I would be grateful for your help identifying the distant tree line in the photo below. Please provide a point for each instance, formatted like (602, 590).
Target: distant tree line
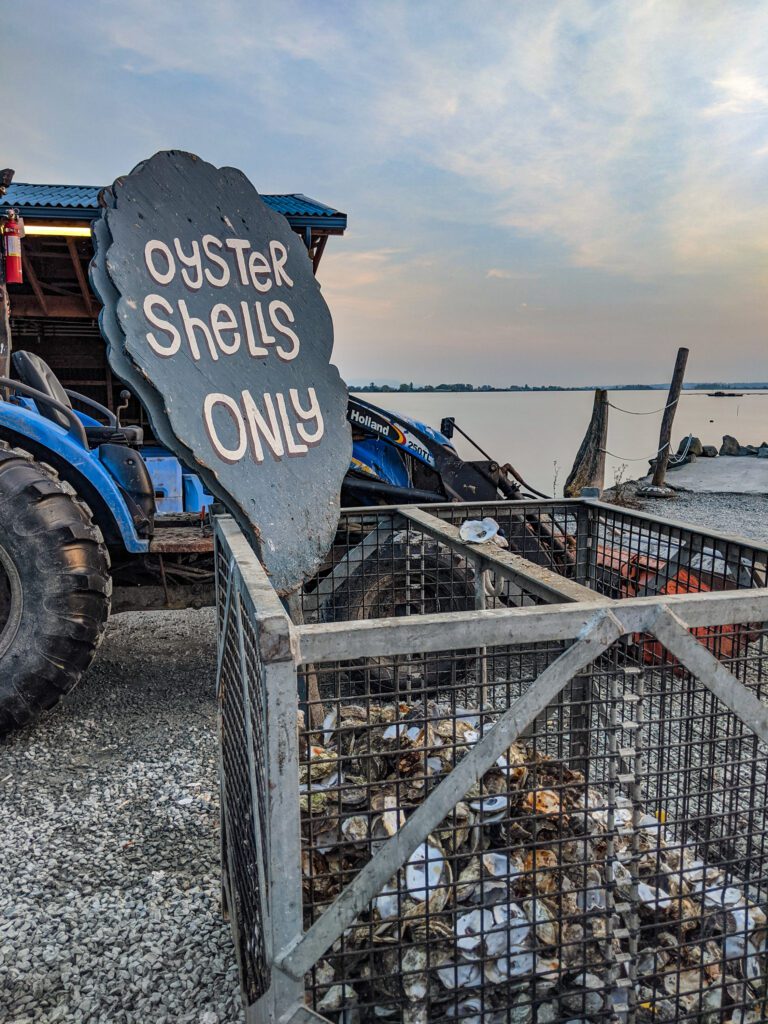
(373, 386)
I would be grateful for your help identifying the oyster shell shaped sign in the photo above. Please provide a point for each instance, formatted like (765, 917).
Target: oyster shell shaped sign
(211, 303)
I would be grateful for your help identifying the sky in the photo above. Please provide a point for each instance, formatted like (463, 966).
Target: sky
(537, 192)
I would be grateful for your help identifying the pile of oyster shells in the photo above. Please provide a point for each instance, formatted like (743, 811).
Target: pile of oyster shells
(521, 907)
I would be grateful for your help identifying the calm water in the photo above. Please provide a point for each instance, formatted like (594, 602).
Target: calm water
(540, 432)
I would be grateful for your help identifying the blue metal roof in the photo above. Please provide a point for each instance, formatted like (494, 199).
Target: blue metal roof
(81, 202)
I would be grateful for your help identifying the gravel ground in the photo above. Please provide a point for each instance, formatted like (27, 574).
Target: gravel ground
(109, 899)
(744, 515)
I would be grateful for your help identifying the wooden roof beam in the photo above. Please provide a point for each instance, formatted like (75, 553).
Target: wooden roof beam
(84, 289)
(32, 278)
(318, 253)
(56, 305)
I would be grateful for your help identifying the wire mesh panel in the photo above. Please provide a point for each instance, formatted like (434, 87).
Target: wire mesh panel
(558, 888)
(546, 532)
(520, 800)
(637, 555)
(243, 774)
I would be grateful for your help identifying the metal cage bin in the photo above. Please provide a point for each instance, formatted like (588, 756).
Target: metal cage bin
(496, 785)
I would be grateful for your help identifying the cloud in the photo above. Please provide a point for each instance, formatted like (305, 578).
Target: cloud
(503, 274)
(743, 94)
(589, 126)
(610, 157)
(594, 126)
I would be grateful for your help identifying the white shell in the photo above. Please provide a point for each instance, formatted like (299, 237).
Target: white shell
(460, 976)
(390, 821)
(478, 531)
(399, 730)
(490, 808)
(497, 865)
(724, 896)
(386, 903)
(520, 965)
(336, 997)
(413, 977)
(424, 871)
(469, 1011)
(510, 932)
(470, 931)
(329, 727)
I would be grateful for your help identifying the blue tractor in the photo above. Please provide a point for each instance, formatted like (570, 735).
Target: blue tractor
(82, 499)
(95, 515)
(85, 502)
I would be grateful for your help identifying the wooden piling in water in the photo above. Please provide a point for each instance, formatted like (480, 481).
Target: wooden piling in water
(589, 465)
(665, 433)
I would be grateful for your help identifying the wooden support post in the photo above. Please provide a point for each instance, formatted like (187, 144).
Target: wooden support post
(318, 254)
(6, 177)
(80, 275)
(31, 276)
(5, 326)
(662, 458)
(589, 466)
(311, 700)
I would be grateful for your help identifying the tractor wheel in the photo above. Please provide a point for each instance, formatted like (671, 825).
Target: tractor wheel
(55, 588)
(408, 575)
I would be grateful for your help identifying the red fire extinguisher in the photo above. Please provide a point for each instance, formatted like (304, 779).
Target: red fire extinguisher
(13, 232)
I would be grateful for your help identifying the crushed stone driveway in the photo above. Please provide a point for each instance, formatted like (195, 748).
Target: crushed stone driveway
(110, 904)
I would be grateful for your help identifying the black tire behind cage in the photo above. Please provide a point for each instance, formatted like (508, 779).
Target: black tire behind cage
(55, 588)
(407, 575)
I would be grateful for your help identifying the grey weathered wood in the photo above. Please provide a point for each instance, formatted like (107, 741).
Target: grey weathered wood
(665, 433)
(273, 624)
(297, 958)
(589, 465)
(572, 505)
(594, 626)
(339, 641)
(274, 633)
(674, 633)
(284, 822)
(536, 579)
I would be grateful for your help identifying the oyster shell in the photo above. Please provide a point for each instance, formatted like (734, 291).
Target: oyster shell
(428, 875)
(522, 889)
(471, 929)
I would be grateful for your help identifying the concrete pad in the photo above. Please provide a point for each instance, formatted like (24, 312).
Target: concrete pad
(727, 474)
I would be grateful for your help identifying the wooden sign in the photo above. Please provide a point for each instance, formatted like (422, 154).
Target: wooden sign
(213, 315)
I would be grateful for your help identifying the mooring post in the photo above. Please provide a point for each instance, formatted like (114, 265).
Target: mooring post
(662, 457)
(589, 466)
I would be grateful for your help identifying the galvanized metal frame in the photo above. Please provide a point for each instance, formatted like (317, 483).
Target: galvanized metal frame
(590, 622)
(279, 776)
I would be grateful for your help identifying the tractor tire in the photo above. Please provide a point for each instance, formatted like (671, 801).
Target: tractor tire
(407, 575)
(55, 588)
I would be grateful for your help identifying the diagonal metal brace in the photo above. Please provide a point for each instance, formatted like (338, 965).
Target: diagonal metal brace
(674, 634)
(297, 958)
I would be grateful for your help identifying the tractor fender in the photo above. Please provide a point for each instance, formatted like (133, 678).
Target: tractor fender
(48, 442)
